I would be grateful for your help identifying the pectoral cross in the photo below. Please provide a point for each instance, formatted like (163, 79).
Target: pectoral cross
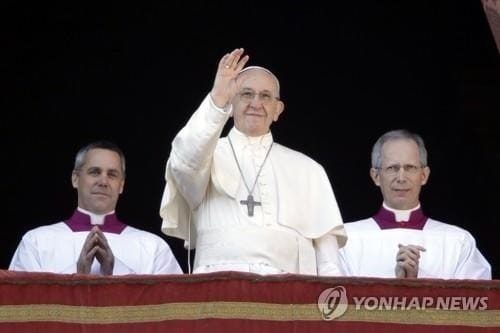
(250, 203)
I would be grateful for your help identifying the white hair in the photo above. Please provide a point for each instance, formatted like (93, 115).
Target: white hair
(265, 70)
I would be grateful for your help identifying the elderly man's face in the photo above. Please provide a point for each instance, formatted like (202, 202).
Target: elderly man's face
(256, 104)
(401, 175)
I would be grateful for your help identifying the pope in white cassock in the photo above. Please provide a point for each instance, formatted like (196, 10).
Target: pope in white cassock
(400, 241)
(245, 202)
(93, 240)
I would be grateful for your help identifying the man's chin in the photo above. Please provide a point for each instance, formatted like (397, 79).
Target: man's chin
(102, 207)
(402, 204)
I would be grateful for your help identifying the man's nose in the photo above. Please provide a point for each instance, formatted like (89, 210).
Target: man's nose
(401, 175)
(103, 180)
(256, 102)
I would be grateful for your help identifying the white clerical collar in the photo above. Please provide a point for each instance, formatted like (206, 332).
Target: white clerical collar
(95, 218)
(240, 138)
(401, 215)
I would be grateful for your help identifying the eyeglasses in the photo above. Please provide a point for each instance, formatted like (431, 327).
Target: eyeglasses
(264, 97)
(394, 169)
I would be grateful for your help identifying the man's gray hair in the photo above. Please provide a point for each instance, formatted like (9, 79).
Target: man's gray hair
(81, 156)
(265, 70)
(397, 135)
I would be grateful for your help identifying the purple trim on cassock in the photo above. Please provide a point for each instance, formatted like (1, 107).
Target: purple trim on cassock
(81, 222)
(387, 220)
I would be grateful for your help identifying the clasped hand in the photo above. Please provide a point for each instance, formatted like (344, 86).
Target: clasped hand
(96, 246)
(407, 260)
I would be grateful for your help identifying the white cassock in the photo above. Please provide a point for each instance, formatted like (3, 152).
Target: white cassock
(56, 248)
(451, 251)
(297, 228)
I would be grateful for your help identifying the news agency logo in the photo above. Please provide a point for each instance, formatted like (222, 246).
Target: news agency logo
(332, 302)
(465, 303)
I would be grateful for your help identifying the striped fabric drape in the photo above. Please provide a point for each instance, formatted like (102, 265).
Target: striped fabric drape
(239, 302)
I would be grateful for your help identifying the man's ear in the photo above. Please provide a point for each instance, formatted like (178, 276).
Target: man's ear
(74, 179)
(279, 109)
(122, 186)
(425, 175)
(375, 175)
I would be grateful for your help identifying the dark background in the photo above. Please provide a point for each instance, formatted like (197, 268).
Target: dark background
(349, 71)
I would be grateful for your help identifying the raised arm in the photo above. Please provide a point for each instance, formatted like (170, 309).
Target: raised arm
(189, 164)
